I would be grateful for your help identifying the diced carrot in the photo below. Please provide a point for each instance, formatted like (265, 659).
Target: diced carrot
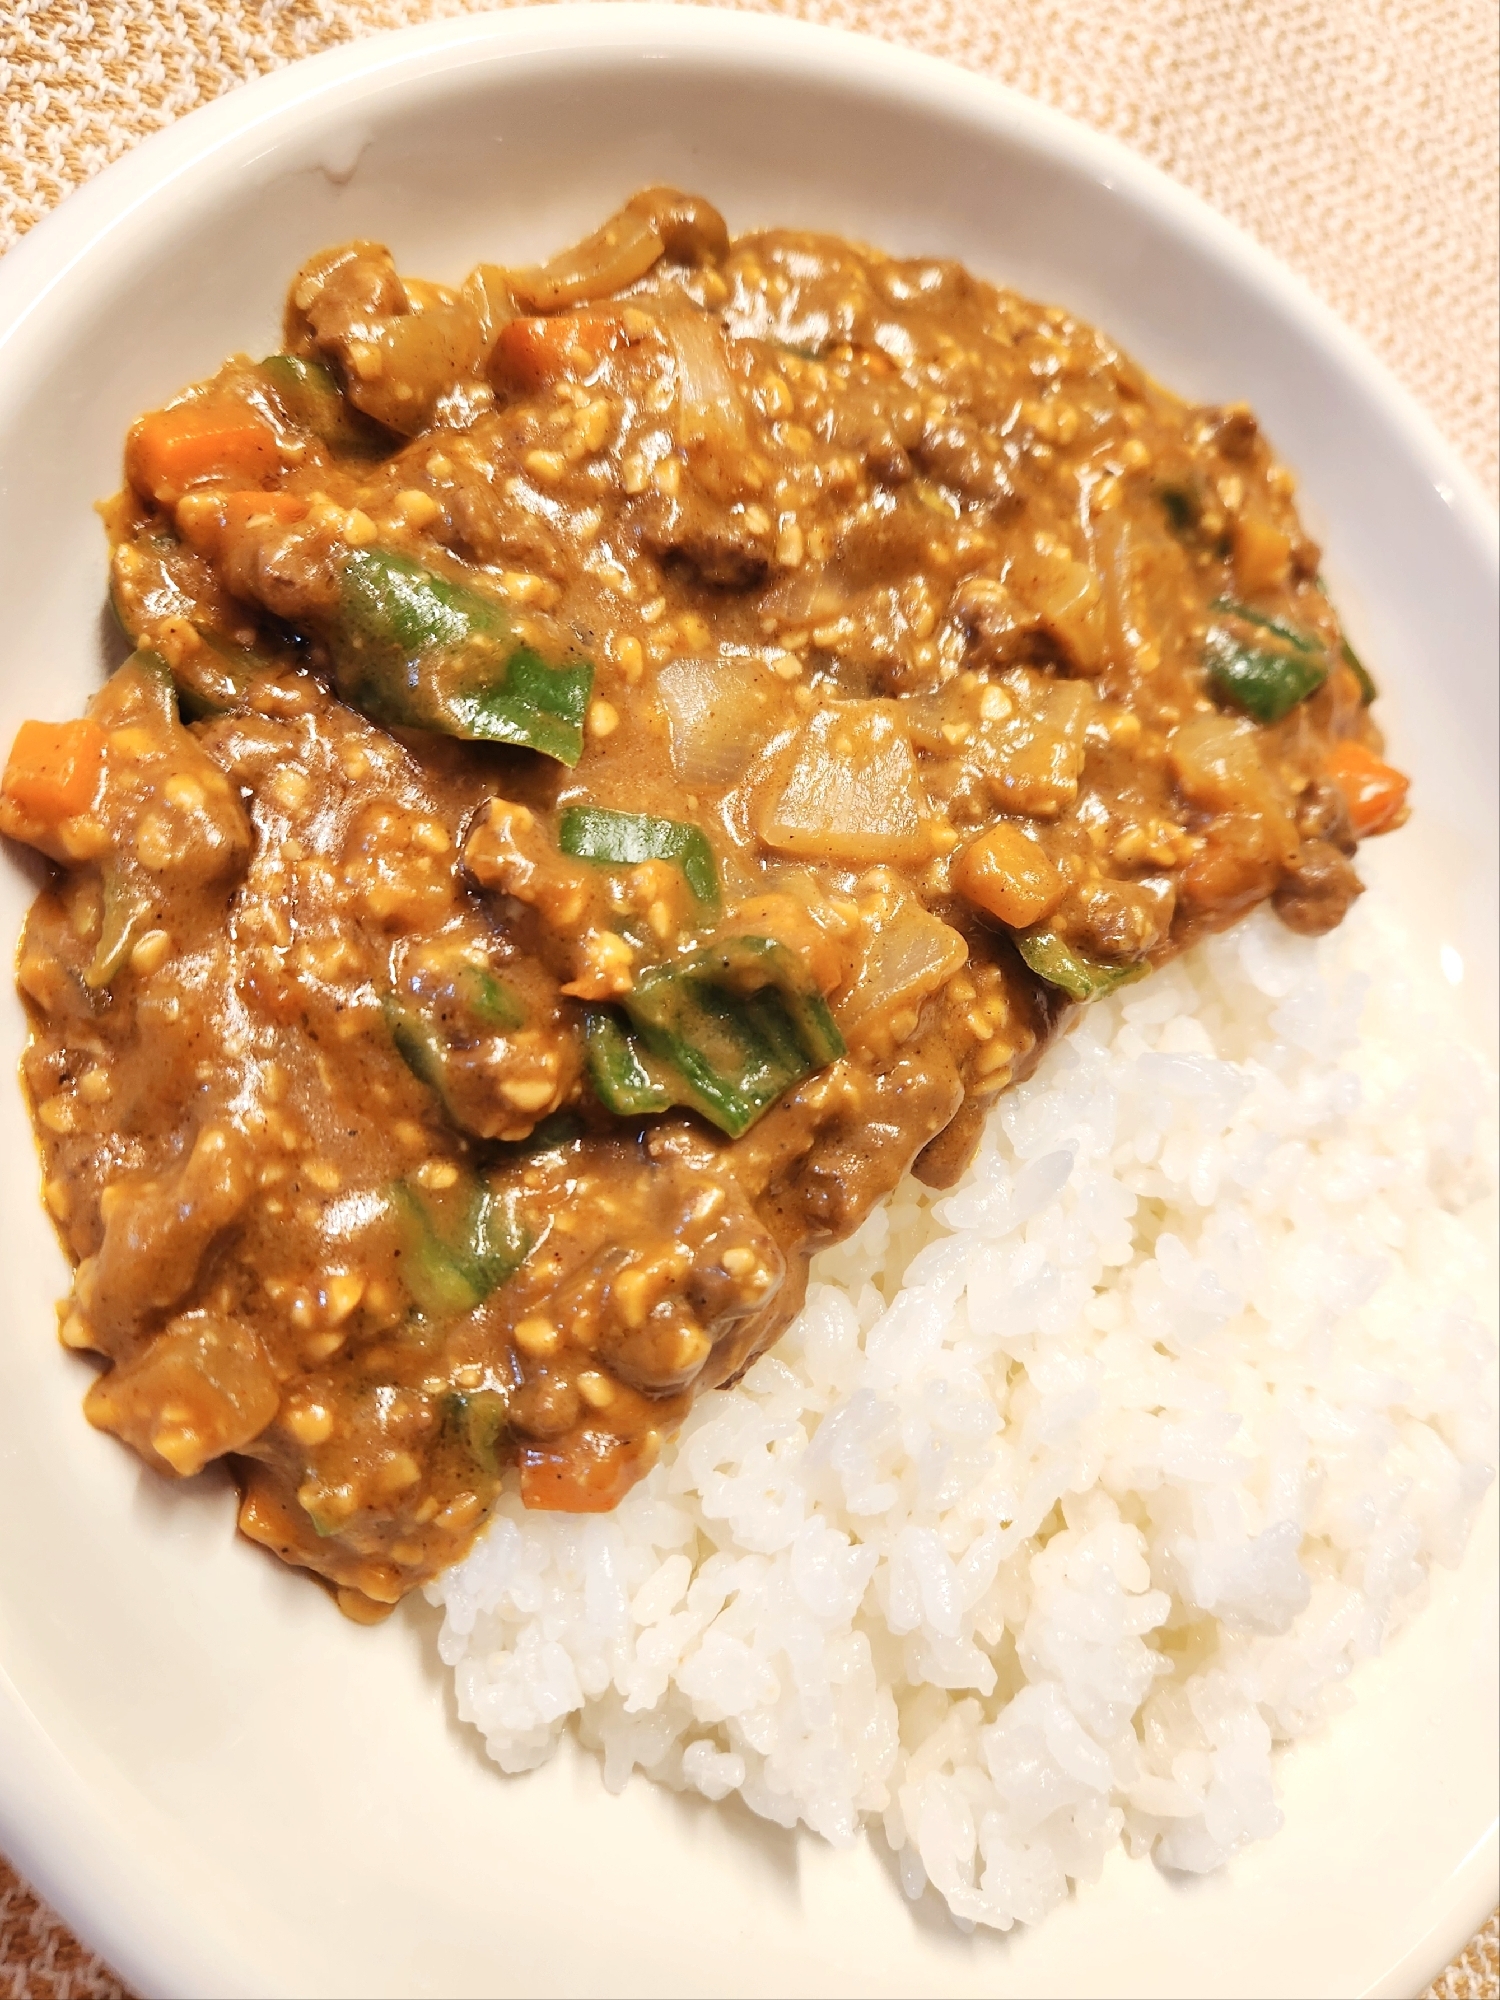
(1009, 876)
(54, 768)
(534, 353)
(1261, 554)
(591, 1475)
(170, 449)
(1374, 790)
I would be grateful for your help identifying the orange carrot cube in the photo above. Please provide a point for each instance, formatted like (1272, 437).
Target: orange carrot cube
(172, 449)
(591, 1474)
(1375, 791)
(54, 768)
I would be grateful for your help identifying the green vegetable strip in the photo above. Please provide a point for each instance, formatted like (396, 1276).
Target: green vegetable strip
(744, 965)
(624, 1078)
(1357, 667)
(734, 1058)
(126, 908)
(412, 649)
(478, 1416)
(129, 897)
(214, 679)
(1078, 975)
(491, 1002)
(560, 1128)
(739, 1023)
(619, 839)
(449, 1274)
(310, 395)
(156, 679)
(1264, 675)
(416, 1044)
(1299, 640)
(492, 1007)
(1266, 683)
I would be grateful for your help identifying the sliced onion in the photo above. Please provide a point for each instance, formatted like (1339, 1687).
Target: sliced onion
(852, 794)
(906, 959)
(1216, 765)
(720, 710)
(613, 257)
(710, 409)
(691, 228)
(423, 356)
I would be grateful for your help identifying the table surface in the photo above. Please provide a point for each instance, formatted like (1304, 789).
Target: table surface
(1358, 141)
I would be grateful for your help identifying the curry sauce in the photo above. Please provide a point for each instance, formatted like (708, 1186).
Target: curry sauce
(619, 761)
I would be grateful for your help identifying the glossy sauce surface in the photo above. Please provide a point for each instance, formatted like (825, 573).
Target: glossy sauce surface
(873, 665)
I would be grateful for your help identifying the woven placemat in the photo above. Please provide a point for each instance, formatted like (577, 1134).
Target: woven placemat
(1357, 139)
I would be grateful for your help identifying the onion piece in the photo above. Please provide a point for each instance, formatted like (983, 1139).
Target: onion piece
(1217, 768)
(720, 711)
(1064, 598)
(423, 356)
(852, 794)
(692, 229)
(710, 409)
(907, 957)
(487, 291)
(658, 222)
(615, 256)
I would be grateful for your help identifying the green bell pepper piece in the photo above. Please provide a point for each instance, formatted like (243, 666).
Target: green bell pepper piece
(413, 649)
(156, 681)
(747, 965)
(493, 1004)
(309, 393)
(1078, 975)
(450, 1270)
(734, 1058)
(1264, 665)
(216, 679)
(622, 840)
(1295, 636)
(129, 897)
(416, 1043)
(126, 909)
(559, 1128)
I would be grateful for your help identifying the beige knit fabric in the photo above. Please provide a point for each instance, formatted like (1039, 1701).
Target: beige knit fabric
(1355, 138)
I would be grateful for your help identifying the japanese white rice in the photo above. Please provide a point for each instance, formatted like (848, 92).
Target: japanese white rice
(1078, 1488)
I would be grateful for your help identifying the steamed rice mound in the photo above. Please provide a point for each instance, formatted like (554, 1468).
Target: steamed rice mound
(1077, 1488)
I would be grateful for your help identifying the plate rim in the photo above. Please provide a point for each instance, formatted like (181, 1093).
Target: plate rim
(71, 1852)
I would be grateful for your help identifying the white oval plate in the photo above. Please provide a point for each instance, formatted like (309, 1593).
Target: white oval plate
(226, 1788)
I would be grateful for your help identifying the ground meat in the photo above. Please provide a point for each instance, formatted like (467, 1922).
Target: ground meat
(1315, 895)
(622, 758)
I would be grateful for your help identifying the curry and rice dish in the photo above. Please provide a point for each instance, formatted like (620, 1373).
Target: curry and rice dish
(620, 760)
